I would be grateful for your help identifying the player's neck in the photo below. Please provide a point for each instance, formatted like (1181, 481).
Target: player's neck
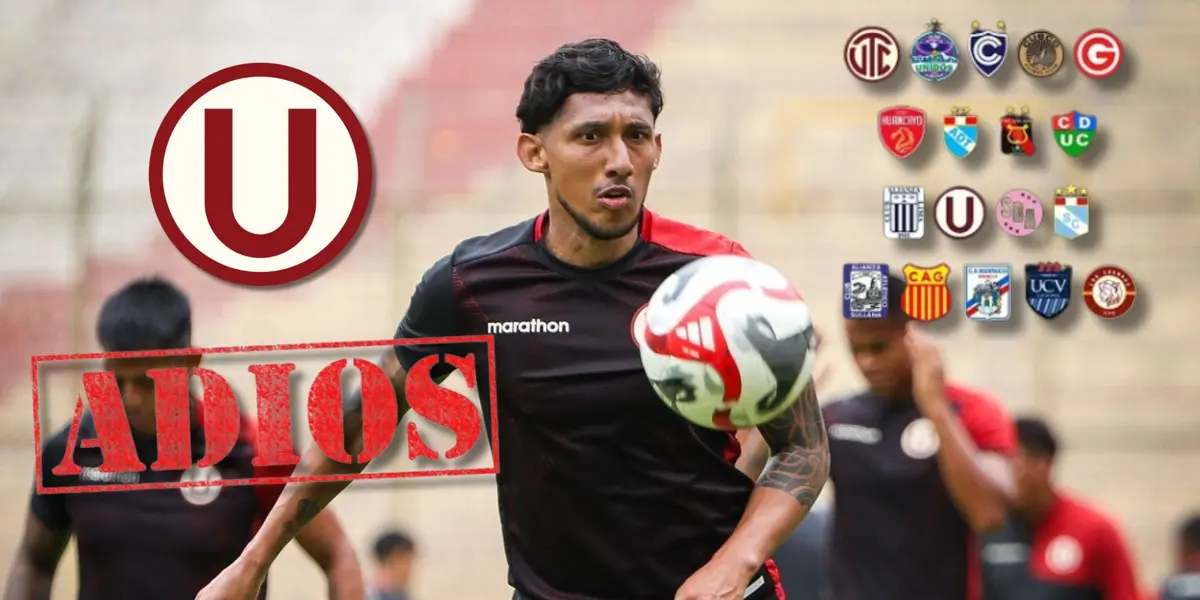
(570, 244)
(1040, 505)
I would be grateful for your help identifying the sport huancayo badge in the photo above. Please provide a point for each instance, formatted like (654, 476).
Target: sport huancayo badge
(1109, 292)
(934, 54)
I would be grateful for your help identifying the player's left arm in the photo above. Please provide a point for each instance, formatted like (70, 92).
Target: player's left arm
(975, 446)
(789, 484)
(324, 540)
(1114, 567)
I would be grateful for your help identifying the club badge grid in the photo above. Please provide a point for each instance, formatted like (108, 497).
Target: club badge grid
(987, 291)
(902, 130)
(961, 211)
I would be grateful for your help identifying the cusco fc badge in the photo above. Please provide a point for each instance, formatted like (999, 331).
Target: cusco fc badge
(934, 54)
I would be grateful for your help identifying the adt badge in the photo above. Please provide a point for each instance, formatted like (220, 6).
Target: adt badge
(865, 294)
(1048, 288)
(934, 54)
(988, 48)
(960, 131)
(1071, 212)
(988, 291)
(1074, 132)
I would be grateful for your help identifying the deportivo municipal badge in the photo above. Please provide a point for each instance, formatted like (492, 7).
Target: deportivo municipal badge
(1041, 53)
(960, 131)
(1019, 212)
(989, 48)
(934, 53)
(926, 293)
(865, 291)
(1109, 292)
(959, 212)
(1016, 132)
(988, 292)
(904, 212)
(1074, 132)
(902, 129)
(1071, 212)
(1048, 288)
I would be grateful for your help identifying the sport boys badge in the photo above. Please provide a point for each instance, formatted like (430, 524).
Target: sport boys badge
(865, 294)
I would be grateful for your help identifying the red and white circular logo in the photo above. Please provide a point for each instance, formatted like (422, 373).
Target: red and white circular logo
(1098, 54)
(261, 174)
(1109, 292)
(872, 54)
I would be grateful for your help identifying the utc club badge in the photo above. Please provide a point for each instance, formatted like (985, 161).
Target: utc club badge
(988, 292)
(1048, 288)
(988, 48)
(934, 54)
(961, 131)
(1071, 212)
(1016, 132)
(200, 496)
(1074, 132)
(1041, 53)
(865, 293)
(1109, 292)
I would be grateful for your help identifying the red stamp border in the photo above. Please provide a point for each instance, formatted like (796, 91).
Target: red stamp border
(37, 360)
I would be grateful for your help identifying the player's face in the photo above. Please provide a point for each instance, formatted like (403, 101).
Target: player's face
(399, 566)
(1031, 473)
(878, 349)
(137, 388)
(598, 156)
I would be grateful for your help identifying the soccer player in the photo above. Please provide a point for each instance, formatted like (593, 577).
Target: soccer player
(395, 553)
(604, 492)
(1185, 583)
(160, 544)
(918, 465)
(1054, 546)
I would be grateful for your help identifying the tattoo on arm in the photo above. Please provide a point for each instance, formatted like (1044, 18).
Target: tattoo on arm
(800, 450)
(32, 573)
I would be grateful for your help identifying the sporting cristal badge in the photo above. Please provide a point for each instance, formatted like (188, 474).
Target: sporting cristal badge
(989, 48)
(1016, 132)
(934, 54)
(961, 131)
(1074, 132)
(1071, 212)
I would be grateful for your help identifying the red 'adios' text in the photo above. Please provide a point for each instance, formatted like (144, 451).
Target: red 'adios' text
(274, 377)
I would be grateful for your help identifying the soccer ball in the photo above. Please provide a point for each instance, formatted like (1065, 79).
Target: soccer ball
(727, 342)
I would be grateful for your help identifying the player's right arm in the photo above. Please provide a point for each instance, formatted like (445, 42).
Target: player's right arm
(47, 531)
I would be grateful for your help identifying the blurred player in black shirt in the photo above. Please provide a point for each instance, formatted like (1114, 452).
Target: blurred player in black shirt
(1054, 546)
(604, 492)
(155, 544)
(1185, 583)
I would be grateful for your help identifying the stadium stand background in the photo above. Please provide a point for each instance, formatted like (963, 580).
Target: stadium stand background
(766, 138)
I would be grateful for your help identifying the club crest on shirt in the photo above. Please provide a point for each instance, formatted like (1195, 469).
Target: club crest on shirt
(920, 439)
(1063, 555)
(637, 326)
(200, 496)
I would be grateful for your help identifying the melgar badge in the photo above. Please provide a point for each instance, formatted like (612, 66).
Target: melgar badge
(1016, 132)
(934, 54)
(1074, 132)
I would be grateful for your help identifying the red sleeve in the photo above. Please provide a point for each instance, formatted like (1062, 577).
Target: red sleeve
(1115, 568)
(987, 422)
(739, 250)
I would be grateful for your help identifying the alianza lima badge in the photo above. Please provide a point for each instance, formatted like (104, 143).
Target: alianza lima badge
(934, 54)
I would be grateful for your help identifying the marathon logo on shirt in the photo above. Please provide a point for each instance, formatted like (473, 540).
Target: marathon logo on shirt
(96, 475)
(530, 326)
(855, 433)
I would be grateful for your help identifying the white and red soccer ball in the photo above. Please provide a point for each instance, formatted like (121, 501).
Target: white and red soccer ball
(727, 342)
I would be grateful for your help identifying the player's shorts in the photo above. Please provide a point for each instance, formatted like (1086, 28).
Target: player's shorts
(764, 585)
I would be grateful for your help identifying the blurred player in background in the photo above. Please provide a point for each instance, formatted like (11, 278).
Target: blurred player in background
(155, 544)
(604, 492)
(1185, 583)
(1054, 546)
(918, 465)
(395, 554)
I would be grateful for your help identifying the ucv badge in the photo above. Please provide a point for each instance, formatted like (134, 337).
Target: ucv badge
(988, 291)
(1071, 212)
(1048, 288)
(988, 48)
(1074, 132)
(1016, 132)
(961, 131)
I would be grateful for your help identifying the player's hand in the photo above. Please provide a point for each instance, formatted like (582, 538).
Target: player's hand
(718, 580)
(929, 383)
(239, 581)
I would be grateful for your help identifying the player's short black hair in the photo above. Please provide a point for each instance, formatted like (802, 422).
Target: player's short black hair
(391, 542)
(1189, 533)
(895, 296)
(591, 66)
(147, 314)
(1036, 438)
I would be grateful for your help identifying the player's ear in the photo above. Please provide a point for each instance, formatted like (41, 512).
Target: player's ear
(532, 153)
(657, 149)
